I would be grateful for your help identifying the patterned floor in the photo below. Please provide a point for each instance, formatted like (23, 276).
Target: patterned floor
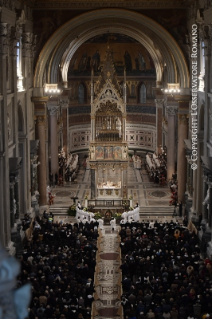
(108, 276)
(152, 198)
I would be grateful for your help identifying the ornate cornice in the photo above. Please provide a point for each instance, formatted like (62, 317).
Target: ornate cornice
(82, 4)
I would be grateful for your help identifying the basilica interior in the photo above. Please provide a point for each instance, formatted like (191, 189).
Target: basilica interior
(105, 109)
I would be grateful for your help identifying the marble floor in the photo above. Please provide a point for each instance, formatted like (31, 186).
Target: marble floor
(152, 198)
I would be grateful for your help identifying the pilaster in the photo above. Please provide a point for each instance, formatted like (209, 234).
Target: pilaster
(53, 109)
(159, 118)
(40, 134)
(64, 103)
(171, 147)
(181, 156)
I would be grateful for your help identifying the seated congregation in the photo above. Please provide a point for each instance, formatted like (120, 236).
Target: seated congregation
(59, 261)
(163, 273)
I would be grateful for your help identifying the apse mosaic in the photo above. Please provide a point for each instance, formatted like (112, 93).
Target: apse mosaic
(126, 52)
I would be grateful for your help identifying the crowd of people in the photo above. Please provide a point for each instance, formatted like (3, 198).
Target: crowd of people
(59, 261)
(163, 273)
(156, 166)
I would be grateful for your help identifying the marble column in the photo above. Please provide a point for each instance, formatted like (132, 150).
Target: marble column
(93, 132)
(124, 181)
(93, 183)
(181, 156)
(159, 116)
(53, 110)
(64, 103)
(171, 111)
(124, 128)
(40, 135)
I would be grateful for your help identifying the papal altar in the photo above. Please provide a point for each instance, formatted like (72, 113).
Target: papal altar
(109, 189)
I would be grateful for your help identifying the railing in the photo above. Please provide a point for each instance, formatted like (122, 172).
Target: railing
(108, 203)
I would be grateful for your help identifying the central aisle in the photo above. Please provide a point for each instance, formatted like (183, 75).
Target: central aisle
(108, 276)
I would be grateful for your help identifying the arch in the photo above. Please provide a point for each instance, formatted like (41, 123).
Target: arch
(153, 36)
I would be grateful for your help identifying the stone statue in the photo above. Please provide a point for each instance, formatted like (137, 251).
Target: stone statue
(13, 303)
(206, 200)
(124, 152)
(92, 152)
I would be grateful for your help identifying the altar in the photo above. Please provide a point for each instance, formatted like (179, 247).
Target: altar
(109, 189)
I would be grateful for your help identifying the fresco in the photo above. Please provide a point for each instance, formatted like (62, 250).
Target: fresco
(117, 153)
(111, 38)
(133, 56)
(99, 152)
(108, 150)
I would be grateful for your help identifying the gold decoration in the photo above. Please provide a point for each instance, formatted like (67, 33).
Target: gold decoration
(40, 119)
(108, 108)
